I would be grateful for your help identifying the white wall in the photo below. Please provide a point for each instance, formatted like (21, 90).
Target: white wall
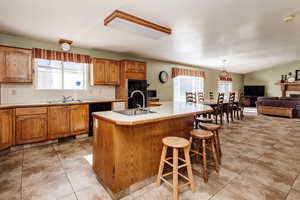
(165, 91)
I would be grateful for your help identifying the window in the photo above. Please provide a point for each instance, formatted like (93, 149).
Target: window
(183, 84)
(59, 75)
(225, 87)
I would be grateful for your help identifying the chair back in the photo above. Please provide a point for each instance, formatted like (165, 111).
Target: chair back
(231, 97)
(211, 95)
(231, 100)
(220, 102)
(190, 97)
(200, 97)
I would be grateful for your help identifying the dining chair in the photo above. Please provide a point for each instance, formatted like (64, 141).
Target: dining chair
(190, 97)
(211, 96)
(230, 106)
(200, 97)
(238, 108)
(218, 110)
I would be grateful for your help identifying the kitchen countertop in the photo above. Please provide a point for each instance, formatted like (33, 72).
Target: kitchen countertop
(167, 110)
(83, 101)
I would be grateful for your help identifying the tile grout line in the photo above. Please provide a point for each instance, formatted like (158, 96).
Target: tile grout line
(248, 139)
(21, 186)
(292, 186)
(64, 171)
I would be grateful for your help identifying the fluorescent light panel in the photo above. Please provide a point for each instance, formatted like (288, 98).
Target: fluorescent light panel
(132, 24)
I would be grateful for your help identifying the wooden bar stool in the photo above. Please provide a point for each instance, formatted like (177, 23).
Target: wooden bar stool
(214, 128)
(176, 143)
(204, 137)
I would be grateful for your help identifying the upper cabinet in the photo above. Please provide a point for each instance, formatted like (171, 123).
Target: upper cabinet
(134, 69)
(105, 72)
(15, 65)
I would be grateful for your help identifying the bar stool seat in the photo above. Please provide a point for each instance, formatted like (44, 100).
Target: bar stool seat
(201, 134)
(210, 127)
(176, 143)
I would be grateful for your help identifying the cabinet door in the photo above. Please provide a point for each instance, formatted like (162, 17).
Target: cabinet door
(58, 121)
(130, 66)
(113, 73)
(140, 67)
(17, 66)
(79, 118)
(98, 72)
(31, 128)
(6, 128)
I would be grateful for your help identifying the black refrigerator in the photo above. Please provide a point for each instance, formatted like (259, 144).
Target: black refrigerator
(137, 98)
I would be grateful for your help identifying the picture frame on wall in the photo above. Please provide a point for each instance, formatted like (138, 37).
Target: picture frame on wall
(297, 77)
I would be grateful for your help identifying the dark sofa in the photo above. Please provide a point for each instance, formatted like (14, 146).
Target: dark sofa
(281, 106)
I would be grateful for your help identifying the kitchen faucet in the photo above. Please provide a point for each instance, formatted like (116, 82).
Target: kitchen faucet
(139, 91)
(66, 98)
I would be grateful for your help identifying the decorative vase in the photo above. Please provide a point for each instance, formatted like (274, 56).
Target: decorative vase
(282, 79)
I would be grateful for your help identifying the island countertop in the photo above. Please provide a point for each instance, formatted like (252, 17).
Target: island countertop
(167, 110)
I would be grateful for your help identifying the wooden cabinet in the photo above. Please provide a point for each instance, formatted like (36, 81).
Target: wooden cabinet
(130, 69)
(105, 72)
(58, 121)
(113, 72)
(31, 128)
(64, 121)
(15, 65)
(79, 119)
(134, 69)
(6, 128)
(134, 66)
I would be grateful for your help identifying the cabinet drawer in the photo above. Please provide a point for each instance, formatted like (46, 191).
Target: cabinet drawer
(31, 111)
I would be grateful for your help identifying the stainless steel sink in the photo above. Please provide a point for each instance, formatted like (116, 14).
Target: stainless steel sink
(60, 101)
(131, 112)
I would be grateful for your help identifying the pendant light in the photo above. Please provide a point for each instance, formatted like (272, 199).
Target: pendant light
(224, 75)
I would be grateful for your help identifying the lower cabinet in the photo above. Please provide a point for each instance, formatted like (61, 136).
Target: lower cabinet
(58, 121)
(64, 121)
(6, 128)
(79, 119)
(31, 128)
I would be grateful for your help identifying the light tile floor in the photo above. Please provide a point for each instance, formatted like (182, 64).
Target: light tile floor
(261, 160)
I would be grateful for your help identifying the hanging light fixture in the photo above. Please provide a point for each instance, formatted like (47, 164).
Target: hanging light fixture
(224, 75)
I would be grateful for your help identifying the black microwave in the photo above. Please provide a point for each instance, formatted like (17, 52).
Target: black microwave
(151, 93)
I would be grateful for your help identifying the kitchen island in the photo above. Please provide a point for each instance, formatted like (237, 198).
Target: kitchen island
(127, 149)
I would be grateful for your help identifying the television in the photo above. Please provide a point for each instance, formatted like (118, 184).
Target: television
(254, 90)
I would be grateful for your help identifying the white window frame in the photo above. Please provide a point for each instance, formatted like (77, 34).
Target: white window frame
(85, 78)
(176, 87)
(226, 93)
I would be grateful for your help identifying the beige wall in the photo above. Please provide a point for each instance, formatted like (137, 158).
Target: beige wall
(165, 91)
(268, 77)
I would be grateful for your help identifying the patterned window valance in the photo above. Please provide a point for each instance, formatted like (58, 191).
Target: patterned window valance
(187, 72)
(59, 55)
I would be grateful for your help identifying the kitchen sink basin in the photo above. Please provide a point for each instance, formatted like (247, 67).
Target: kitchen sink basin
(131, 112)
(60, 101)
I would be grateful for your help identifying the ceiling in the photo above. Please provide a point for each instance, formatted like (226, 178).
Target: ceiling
(249, 34)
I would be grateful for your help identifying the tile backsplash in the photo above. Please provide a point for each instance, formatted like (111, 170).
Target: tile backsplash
(14, 93)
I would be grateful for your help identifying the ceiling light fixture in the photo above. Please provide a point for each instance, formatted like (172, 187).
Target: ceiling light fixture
(65, 45)
(130, 23)
(224, 75)
(290, 17)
